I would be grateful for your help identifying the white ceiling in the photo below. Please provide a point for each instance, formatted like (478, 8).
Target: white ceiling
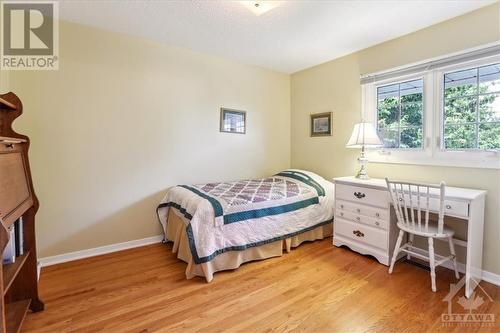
(293, 36)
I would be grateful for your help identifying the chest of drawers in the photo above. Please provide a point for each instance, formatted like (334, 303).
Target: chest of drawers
(363, 219)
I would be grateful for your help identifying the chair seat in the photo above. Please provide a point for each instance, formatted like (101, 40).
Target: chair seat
(432, 231)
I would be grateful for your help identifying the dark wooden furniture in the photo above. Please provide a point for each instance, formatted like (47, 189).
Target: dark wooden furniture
(18, 281)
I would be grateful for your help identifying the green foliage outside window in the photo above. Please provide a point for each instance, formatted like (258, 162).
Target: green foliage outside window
(471, 111)
(460, 113)
(400, 115)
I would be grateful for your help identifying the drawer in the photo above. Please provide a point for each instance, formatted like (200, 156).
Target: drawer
(362, 195)
(361, 233)
(374, 212)
(451, 208)
(455, 208)
(357, 218)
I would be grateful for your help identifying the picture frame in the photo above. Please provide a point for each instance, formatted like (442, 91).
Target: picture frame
(233, 121)
(321, 124)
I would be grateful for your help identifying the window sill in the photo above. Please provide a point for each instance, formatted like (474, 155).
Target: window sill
(461, 159)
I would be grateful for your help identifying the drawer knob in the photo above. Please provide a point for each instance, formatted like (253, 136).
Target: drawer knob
(377, 223)
(9, 145)
(448, 206)
(341, 206)
(400, 199)
(358, 218)
(377, 215)
(358, 233)
(359, 195)
(341, 214)
(358, 210)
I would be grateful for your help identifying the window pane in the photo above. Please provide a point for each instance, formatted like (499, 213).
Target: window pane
(489, 107)
(400, 105)
(390, 137)
(411, 91)
(489, 78)
(411, 103)
(489, 136)
(388, 115)
(472, 109)
(411, 137)
(460, 136)
(385, 92)
(460, 83)
(411, 114)
(388, 105)
(460, 110)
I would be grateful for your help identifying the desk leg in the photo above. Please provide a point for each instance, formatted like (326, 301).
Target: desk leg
(474, 261)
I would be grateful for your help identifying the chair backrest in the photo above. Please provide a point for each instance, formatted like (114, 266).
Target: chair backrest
(412, 203)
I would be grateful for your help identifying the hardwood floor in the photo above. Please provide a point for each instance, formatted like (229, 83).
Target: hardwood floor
(315, 288)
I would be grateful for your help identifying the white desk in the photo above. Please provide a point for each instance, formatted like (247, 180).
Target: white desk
(365, 222)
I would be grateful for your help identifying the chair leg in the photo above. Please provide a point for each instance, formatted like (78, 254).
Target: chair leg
(452, 251)
(396, 250)
(411, 236)
(432, 264)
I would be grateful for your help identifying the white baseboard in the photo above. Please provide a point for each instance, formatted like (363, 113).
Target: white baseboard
(58, 259)
(487, 276)
(491, 278)
(448, 264)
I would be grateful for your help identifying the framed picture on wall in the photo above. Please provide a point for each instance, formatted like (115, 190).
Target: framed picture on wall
(321, 124)
(232, 121)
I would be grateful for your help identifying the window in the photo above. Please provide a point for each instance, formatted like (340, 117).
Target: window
(400, 114)
(472, 108)
(442, 111)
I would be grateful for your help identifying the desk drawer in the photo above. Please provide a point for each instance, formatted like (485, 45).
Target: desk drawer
(357, 218)
(361, 233)
(455, 208)
(373, 212)
(451, 208)
(362, 195)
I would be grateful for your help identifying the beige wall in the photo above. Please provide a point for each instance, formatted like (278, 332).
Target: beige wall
(4, 82)
(334, 86)
(125, 118)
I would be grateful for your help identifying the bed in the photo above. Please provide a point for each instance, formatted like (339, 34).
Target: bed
(219, 226)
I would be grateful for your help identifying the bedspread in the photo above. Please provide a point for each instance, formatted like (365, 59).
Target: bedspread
(232, 216)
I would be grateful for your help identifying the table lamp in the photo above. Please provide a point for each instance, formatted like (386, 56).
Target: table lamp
(363, 135)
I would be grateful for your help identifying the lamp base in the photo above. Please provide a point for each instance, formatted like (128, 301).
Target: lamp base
(361, 176)
(363, 161)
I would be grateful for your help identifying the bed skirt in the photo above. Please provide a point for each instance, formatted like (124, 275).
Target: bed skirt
(176, 232)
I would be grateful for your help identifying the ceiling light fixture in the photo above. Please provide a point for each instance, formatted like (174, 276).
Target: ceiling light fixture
(260, 7)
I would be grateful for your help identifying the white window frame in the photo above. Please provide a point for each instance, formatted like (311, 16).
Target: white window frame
(471, 155)
(370, 114)
(433, 152)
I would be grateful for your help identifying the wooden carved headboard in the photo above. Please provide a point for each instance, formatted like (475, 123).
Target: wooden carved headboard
(18, 280)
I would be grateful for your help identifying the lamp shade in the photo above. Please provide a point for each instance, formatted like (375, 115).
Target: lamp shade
(364, 134)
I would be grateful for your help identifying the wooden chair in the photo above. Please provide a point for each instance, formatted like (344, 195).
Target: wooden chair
(412, 203)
